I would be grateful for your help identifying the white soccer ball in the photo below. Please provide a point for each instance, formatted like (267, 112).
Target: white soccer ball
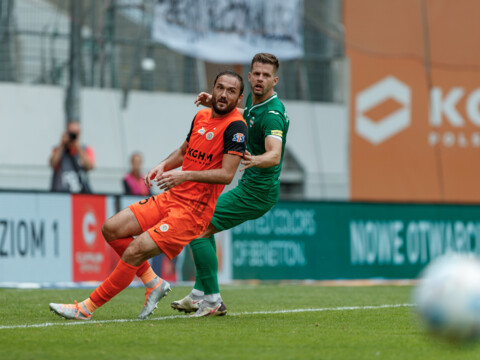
(448, 297)
(148, 64)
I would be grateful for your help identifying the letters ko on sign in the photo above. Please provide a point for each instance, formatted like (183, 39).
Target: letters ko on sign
(444, 104)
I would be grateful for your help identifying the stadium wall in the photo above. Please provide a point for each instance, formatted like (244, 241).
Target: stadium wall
(32, 120)
(55, 239)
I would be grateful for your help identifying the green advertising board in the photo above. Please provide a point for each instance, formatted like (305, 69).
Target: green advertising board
(327, 240)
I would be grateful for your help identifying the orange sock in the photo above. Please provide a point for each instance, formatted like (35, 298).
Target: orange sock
(148, 275)
(120, 245)
(90, 305)
(118, 280)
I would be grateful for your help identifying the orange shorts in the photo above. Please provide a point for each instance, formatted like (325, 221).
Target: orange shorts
(169, 222)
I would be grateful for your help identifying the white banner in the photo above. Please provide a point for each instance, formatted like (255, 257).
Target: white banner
(230, 31)
(35, 238)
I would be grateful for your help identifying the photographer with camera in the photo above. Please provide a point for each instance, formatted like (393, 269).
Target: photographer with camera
(71, 161)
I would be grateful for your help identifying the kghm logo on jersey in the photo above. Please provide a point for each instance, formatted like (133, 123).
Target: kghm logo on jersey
(200, 155)
(239, 138)
(201, 131)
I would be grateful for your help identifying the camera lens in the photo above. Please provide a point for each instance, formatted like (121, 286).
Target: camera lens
(72, 136)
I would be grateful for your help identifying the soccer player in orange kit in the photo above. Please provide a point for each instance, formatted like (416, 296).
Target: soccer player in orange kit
(166, 223)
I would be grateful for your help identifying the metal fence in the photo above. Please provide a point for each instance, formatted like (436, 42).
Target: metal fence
(116, 49)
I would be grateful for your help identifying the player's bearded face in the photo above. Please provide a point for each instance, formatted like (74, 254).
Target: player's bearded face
(262, 79)
(226, 94)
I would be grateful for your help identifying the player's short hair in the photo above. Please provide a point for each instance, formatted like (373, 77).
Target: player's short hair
(266, 58)
(230, 73)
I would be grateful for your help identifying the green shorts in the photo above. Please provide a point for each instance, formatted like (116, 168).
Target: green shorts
(241, 204)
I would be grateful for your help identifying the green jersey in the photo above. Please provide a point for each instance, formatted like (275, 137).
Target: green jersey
(267, 118)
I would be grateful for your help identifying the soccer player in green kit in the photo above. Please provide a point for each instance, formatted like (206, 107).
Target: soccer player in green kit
(258, 189)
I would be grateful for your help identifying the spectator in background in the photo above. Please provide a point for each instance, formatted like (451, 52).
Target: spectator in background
(71, 161)
(134, 182)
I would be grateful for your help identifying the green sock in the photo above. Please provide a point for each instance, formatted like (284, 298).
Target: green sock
(205, 256)
(194, 245)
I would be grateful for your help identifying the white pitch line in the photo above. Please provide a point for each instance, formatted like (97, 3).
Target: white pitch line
(291, 311)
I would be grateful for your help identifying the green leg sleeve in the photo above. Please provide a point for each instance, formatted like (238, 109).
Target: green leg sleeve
(206, 263)
(195, 245)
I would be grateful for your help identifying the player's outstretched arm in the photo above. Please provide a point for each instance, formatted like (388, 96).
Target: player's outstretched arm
(204, 99)
(224, 175)
(271, 157)
(173, 161)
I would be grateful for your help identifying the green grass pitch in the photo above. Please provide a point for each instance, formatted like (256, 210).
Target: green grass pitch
(264, 322)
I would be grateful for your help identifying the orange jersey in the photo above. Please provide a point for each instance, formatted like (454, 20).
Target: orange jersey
(208, 140)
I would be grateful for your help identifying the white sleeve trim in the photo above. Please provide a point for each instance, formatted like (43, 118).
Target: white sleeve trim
(275, 137)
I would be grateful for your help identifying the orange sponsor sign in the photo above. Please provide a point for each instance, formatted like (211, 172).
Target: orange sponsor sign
(415, 100)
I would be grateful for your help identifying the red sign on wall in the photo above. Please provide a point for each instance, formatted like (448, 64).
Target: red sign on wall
(91, 254)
